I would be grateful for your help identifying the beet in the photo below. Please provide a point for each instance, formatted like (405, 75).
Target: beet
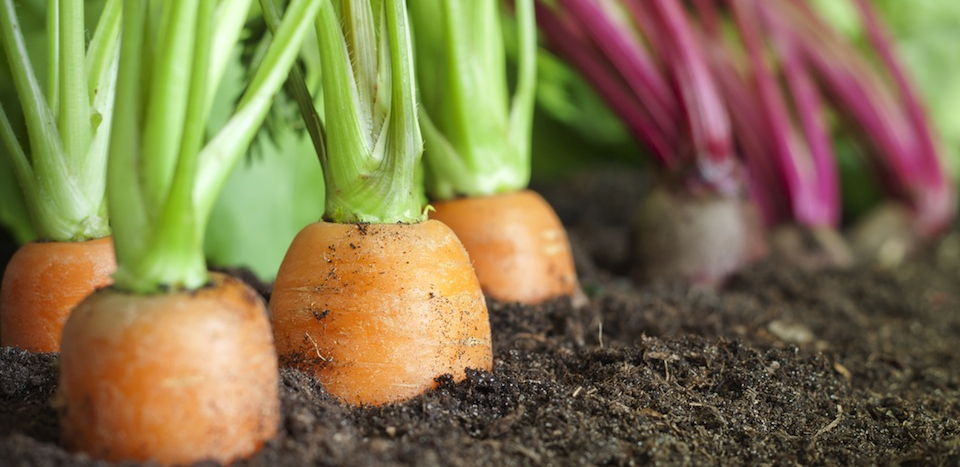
(701, 237)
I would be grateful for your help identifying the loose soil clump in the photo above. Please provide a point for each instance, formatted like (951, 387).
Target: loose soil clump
(781, 367)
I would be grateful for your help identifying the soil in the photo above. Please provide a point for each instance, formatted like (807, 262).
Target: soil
(781, 367)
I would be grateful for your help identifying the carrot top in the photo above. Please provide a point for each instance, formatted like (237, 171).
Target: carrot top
(62, 170)
(373, 142)
(477, 138)
(163, 177)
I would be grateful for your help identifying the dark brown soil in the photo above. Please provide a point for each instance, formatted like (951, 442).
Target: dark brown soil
(782, 367)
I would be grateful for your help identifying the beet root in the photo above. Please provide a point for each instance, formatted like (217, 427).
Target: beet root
(886, 235)
(811, 248)
(700, 238)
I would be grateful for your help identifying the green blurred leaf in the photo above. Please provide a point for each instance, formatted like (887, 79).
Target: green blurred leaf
(263, 205)
(275, 191)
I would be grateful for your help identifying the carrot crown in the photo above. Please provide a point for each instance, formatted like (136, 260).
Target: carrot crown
(162, 179)
(62, 171)
(477, 139)
(373, 143)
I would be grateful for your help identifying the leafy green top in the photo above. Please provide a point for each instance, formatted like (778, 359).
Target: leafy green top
(477, 139)
(162, 179)
(63, 174)
(373, 141)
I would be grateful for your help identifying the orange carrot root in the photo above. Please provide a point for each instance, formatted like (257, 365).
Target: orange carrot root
(174, 378)
(517, 244)
(42, 284)
(379, 311)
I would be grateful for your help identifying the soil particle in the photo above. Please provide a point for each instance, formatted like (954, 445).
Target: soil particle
(782, 367)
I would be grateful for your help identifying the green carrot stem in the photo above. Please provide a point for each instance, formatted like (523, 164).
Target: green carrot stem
(161, 196)
(229, 18)
(477, 137)
(373, 138)
(298, 86)
(74, 116)
(124, 198)
(53, 54)
(167, 107)
(65, 202)
(226, 147)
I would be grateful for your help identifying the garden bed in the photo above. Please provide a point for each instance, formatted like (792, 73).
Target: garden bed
(781, 367)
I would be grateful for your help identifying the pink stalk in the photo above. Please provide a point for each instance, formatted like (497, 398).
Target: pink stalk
(904, 152)
(753, 134)
(630, 58)
(696, 225)
(803, 155)
(704, 112)
(569, 40)
(935, 206)
(674, 105)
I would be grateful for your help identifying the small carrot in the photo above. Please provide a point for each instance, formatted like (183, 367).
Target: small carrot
(172, 364)
(519, 248)
(477, 157)
(398, 305)
(207, 385)
(378, 302)
(43, 282)
(61, 172)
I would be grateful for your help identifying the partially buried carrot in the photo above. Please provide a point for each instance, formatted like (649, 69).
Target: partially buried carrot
(519, 248)
(477, 156)
(379, 311)
(172, 364)
(61, 172)
(43, 282)
(376, 300)
(168, 376)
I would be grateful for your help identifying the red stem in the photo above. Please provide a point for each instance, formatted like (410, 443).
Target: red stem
(704, 112)
(896, 129)
(630, 58)
(805, 157)
(568, 41)
(936, 205)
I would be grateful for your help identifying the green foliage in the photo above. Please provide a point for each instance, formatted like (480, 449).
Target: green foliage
(165, 173)
(373, 141)
(276, 190)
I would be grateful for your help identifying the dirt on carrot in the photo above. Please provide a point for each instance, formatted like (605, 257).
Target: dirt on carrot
(378, 312)
(41, 285)
(781, 367)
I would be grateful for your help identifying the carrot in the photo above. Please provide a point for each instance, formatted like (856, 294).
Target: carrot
(186, 376)
(61, 173)
(173, 364)
(519, 248)
(376, 300)
(41, 285)
(397, 306)
(477, 157)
